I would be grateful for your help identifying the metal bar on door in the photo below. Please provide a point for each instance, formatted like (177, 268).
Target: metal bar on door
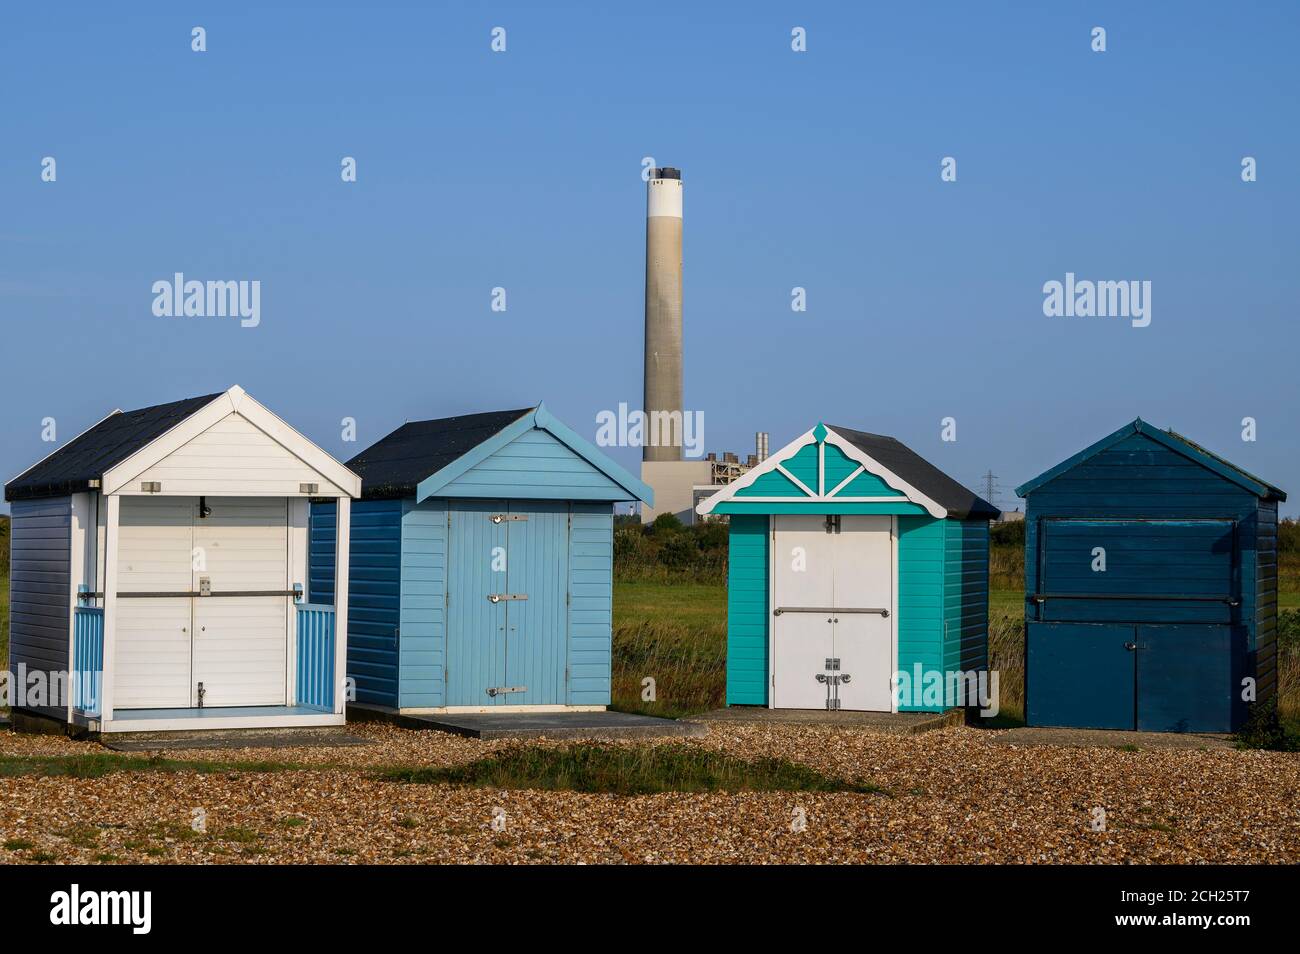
(879, 611)
(1041, 597)
(161, 594)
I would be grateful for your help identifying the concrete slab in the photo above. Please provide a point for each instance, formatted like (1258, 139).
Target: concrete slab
(549, 725)
(230, 739)
(1108, 738)
(891, 723)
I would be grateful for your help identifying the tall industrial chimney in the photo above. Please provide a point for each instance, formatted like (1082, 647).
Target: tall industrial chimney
(663, 313)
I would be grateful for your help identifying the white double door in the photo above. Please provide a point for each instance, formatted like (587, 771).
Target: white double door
(168, 645)
(833, 599)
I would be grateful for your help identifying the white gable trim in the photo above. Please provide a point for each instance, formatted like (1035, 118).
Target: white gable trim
(867, 464)
(236, 400)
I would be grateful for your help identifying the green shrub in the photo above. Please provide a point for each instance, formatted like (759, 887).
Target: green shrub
(666, 523)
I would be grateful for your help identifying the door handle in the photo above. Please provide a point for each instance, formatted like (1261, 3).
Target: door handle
(1130, 646)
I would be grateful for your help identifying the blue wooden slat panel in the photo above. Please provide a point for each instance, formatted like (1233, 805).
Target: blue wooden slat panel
(1143, 557)
(322, 543)
(374, 591)
(748, 614)
(315, 671)
(590, 612)
(1080, 675)
(476, 637)
(423, 624)
(88, 658)
(1188, 678)
(536, 466)
(1263, 648)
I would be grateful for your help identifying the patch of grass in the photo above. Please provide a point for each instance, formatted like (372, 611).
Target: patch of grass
(106, 858)
(1127, 748)
(292, 821)
(242, 836)
(18, 844)
(42, 856)
(174, 831)
(98, 765)
(1267, 729)
(82, 836)
(408, 822)
(627, 770)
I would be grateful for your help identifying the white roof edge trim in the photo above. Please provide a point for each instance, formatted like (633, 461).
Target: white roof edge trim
(852, 451)
(875, 468)
(770, 464)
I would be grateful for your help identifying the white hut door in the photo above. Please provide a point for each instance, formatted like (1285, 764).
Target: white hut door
(864, 586)
(241, 642)
(803, 582)
(155, 536)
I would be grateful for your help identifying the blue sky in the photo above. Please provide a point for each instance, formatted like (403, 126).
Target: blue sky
(522, 170)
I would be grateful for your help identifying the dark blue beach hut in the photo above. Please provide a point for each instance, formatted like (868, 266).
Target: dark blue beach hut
(1150, 587)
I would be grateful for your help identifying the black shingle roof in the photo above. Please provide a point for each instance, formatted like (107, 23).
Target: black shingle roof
(396, 464)
(86, 457)
(920, 473)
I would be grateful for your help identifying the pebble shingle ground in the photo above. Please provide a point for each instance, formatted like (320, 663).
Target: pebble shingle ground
(954, 796)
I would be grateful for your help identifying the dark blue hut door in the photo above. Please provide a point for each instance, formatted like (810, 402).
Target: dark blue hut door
(1148, 642)
(507, 620)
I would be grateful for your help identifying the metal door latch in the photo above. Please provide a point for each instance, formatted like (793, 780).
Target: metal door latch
(495, 691)
(832, 679)
(205, 586)
(1130, 646)
(503, 517)
(506, 597)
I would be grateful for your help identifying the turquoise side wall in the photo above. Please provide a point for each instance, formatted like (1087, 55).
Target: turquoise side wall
(922, 569)
(748, 613)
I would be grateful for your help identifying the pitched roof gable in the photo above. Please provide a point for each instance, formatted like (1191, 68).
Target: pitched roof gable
(1175, 442)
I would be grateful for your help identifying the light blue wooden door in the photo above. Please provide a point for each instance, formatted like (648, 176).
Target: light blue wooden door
(476, 626)
(537, 551)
